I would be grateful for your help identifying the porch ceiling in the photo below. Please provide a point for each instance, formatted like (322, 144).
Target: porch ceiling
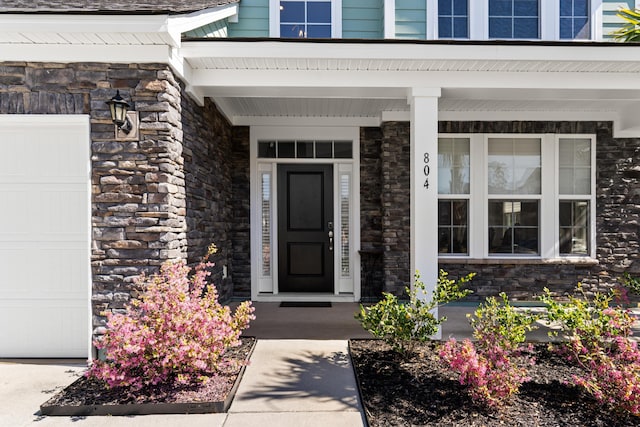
(279, 82)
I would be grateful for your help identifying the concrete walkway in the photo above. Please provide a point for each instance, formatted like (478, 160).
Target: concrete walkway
(288, 383)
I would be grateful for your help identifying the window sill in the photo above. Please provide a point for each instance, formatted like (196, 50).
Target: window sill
(580, 261)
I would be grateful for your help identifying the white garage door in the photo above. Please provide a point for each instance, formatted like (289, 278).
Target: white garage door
(44, 236)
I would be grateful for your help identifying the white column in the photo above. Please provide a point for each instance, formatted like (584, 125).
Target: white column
(424, 185)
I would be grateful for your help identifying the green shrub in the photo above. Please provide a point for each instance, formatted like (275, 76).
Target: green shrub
(402, 324)
(496, 365)
(597, 338)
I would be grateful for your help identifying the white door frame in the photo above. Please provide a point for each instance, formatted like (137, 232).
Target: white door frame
(264, 287)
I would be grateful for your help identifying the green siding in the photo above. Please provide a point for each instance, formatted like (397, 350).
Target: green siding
(411, 17)
(362, 19)
(611, 22)
(253, 19)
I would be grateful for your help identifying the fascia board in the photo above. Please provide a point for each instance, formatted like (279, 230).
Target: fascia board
(92, 24)
(401, 51)
(59, 23)
(256, 78)
(84, 53)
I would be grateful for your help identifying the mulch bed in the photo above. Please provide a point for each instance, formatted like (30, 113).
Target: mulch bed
(421, 391)
(87, 392)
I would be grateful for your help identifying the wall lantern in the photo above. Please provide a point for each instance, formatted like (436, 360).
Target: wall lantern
(118, 108)
(126, 121)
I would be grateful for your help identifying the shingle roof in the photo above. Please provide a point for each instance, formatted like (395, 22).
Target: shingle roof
(106, 6)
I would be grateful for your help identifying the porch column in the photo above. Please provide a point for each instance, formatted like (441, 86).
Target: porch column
(424, 185)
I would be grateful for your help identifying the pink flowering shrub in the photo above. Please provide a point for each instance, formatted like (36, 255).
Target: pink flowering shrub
(496, 365)
(175, 333)
(597, 338)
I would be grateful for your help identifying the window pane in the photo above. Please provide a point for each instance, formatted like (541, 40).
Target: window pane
(445, 28)
(453, 166)
(342, 150)
(514, 227)
(267, 149)
(266, 224)
(574, 227)
(345, 187)
(319, 31)
(525, 8)
(445, 7)
(460, 7)
(305, 150)
(514, 166)
(581, 29)
(500, 28)
(452, 226)
(525, 28)
(294, 31)
(581, 7)
(324, 150)
(292, 11)
(566, 7)
(500, 7)
(460, 28)
(444, 212)
(286, 150)
(574, 159)
(319, 12)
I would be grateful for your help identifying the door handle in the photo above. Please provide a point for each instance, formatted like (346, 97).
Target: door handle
(330, 240)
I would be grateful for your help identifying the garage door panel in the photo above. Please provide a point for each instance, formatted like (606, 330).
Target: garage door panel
(63, 335)
(49, 270)
(44, 237)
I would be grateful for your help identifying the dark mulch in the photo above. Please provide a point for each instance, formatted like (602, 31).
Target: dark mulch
(421, 391)
(86, 391)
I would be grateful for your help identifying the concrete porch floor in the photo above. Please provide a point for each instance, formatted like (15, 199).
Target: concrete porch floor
(334, 323)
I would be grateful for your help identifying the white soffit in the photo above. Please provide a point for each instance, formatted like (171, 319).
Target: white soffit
(252, 81)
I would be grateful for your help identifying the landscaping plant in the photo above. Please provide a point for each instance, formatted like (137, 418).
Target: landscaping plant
(176, 332)
(402, 324)
(494, 367)
(597, 337)
(630, 31)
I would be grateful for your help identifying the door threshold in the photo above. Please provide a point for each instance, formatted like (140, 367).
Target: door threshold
(302, 297)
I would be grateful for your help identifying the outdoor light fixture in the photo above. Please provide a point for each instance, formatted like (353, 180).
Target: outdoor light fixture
(118, 108)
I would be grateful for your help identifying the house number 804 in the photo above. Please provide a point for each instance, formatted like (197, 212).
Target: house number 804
(426, 170)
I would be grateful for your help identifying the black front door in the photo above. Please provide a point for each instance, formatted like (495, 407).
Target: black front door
(305, 228)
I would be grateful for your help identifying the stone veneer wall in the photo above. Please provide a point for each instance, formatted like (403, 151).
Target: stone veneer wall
(396, 195)
(208, 171)
(617, 214)
(163, 197)
(241, 224)
(371, 252)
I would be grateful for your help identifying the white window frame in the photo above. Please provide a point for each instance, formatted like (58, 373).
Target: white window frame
(336, 18)
(549, 228)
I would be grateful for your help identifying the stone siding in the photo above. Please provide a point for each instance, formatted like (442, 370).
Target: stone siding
(395, 198)
(166, 196)
(371, 252)
(241, 224)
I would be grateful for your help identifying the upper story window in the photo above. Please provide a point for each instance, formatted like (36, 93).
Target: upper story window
(574, 20)
(514, 19)
(305, 19)
(453, 19)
